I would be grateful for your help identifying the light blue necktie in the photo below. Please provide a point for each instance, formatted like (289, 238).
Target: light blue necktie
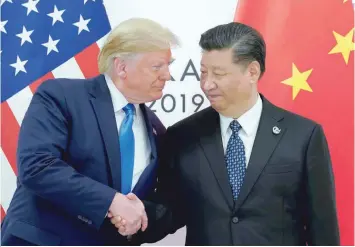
(235, 159)
(126, 139)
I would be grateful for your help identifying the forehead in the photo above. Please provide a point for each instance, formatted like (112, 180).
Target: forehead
(151, 57)
(217, 58)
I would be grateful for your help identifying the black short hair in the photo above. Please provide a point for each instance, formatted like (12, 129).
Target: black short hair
(247, 43)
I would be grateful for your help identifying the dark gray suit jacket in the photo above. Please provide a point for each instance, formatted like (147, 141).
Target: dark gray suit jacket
(287, 197)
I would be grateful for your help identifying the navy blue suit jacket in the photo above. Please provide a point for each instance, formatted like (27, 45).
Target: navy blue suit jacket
(69, 166)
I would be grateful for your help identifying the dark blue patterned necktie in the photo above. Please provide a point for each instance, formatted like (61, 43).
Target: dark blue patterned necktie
(235, 159)
(126, 138)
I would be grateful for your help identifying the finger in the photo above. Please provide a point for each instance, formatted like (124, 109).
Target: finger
(137, 223)
(137, 226)
(123, 233)
(132, 196)
(144, 222)
(133, 227)
(118, 225)
(122, 229)
(120, 221)
(132, 231)
(110, 215)
(114, 220)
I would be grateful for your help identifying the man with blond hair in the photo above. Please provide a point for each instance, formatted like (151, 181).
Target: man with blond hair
(86, 145)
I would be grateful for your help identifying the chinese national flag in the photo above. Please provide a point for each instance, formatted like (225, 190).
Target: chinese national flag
(310, 71)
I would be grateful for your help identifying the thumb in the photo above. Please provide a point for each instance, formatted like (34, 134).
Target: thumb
(132, 196)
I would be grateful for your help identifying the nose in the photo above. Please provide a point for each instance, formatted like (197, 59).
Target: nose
(165, 74)
(208, 85)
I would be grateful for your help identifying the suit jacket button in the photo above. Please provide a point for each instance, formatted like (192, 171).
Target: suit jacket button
(235, 220)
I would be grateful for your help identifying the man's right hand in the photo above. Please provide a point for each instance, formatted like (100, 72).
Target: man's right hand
(132, 211)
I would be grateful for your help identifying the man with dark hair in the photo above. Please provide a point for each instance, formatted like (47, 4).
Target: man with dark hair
(244, 171)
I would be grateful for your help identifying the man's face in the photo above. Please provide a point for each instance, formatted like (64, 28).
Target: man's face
(224, 83)
(147, 74)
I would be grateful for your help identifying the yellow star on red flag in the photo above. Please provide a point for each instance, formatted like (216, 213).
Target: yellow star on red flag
(344, 44)
(298, 81)
(292, 43)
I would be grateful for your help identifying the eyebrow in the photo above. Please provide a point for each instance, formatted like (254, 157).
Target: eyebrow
(218, 68)
(161, 61)
(214, 67)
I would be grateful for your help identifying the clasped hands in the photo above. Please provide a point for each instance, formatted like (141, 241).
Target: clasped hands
(128, 214)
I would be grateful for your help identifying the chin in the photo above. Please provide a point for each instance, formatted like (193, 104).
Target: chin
(217, 106)
(157, 95)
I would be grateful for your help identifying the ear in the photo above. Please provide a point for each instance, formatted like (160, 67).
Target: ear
(254, 71)
(120, 68)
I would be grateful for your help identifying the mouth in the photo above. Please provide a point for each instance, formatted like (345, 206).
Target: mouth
(159, 85)
(210, 96)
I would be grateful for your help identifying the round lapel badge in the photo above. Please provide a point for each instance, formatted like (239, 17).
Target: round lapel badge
(276, 130)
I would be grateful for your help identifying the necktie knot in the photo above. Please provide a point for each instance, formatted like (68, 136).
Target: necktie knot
(129, 109)
(235, 126)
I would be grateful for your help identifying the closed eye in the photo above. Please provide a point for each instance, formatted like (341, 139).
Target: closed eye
(157, 67)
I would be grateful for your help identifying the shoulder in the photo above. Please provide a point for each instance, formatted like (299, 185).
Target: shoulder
(64, 85)
(158, 126)
(294, 121)
(297, 119)
(193, 123)
(71, 91)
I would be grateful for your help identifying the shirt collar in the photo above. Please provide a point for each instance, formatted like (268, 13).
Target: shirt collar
(118, 100)
(249, 121)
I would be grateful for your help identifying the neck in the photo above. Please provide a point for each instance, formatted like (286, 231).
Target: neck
(235, 111)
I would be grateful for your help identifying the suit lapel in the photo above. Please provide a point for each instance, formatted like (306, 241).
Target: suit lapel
(211, 143)
(148, 176)
(150, 130)
(103, 108)
(264, 145)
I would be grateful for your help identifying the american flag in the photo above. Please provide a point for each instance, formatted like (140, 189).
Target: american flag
(41, 39)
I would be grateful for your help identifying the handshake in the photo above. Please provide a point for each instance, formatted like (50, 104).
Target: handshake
(127, 213)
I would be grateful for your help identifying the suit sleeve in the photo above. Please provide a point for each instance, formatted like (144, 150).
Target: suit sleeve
(166, 210)
(321, 223)
(41, 155)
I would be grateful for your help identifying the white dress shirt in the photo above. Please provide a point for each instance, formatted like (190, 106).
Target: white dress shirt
(142, 148)
(249, 122)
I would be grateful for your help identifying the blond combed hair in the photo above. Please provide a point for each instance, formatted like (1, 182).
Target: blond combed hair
(134, 36)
